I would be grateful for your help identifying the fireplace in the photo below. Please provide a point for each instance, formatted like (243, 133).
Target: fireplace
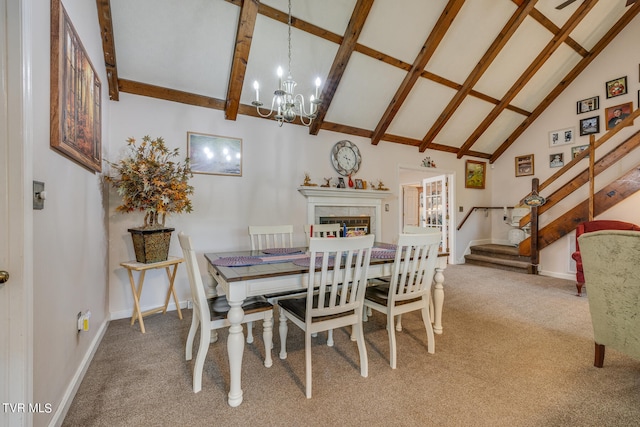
(323, 202)
(352, 225)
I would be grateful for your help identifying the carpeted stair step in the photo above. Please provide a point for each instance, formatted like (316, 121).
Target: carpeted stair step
(499, 256)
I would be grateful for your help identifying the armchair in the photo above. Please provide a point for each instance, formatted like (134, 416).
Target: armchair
(588, 227)
(610, 261)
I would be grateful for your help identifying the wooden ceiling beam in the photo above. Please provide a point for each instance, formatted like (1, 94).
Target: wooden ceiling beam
(158, 92)
(554, 29)
(349, 41)
(483, 65)
(528, 74)
(445, 20)
(108, 47)
(244, 36)
(570, 77)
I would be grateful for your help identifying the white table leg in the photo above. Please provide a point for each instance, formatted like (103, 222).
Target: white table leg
(235, 349)
(438, 300)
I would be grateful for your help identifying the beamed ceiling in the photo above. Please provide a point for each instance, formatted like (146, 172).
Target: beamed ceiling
(464, 77)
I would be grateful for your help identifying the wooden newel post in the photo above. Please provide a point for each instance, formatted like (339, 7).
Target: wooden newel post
(592, 158)
(535, 258)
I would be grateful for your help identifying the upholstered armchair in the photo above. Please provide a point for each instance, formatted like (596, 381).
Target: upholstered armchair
(588, 227)
(612, 275)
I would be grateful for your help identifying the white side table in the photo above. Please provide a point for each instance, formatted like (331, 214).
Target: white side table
(132, 266)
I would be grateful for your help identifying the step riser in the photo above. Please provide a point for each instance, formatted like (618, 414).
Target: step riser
(499, 256)
(498, 266)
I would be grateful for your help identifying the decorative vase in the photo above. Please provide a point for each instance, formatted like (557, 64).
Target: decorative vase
(151, 245)
(350, 182)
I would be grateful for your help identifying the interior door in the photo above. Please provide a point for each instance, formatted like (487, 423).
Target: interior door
(15, 309)
(436, 206)
(411, 206)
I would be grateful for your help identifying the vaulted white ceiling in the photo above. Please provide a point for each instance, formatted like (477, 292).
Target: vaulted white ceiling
(490, 66)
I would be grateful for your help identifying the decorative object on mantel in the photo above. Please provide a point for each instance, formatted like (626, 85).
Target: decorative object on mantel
(327, 182)
(351, 184)
(149, 181)
(285, 104)
(381, 186)
(307, 181)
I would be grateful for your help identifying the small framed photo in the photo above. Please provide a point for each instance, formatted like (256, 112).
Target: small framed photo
(577, 150)
(589, 104)
(341, 183)
(562, 137)
(617, 113)
(590, 125)
(359, 185)
(524, 165)
(556, 160)
(214, 155)
(616, 87)
(475, 173)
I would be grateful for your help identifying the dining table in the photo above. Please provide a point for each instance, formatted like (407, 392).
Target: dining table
(246, 273)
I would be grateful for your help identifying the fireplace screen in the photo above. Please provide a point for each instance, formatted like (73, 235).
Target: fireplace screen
(351, 225)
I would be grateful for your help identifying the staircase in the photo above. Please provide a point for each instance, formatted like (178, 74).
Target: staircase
(502, 257)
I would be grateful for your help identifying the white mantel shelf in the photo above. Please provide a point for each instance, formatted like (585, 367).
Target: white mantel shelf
(344, 192)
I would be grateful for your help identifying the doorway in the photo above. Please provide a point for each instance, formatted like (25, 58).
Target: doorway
(427, 200)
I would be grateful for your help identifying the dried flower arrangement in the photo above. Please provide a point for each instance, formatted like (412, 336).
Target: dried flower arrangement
(148, 180)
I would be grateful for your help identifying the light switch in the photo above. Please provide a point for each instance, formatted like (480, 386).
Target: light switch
(38, 195)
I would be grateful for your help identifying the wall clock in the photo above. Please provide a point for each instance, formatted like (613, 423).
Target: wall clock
(345, 158)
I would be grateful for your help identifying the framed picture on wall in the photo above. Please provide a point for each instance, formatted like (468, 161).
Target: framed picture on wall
(475, 173)
(556, 160)
(614, 115)
(524, 165)
(577, 150)
(75, 100)
(214, 155)
(562, 137)
(589, 104)
(590, 125)
(616, 87)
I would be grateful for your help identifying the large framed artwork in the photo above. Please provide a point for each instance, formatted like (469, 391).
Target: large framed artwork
(475, 173)
(214, 155)
(76, 110)
(614, 115)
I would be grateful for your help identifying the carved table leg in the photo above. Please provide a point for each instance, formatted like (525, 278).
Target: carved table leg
(438, 300)
(235, 349)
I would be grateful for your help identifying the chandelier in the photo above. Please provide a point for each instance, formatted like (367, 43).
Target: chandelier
(285, 104)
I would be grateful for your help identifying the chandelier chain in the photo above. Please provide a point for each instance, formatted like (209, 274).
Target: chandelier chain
(290, 37)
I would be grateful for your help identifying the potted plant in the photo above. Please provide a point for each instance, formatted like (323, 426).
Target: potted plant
(150, 181)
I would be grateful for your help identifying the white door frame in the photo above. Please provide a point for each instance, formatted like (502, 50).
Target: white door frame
(418, 173)
(16, 216)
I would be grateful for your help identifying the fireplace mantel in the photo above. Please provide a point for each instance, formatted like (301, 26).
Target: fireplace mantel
(344, 192)
(322, 197)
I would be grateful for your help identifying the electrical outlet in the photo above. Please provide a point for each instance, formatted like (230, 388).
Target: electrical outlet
(460, 209)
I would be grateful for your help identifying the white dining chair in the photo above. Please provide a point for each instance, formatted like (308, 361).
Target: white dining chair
(322, 230)
(334, 296)
(409, 286)
(270, 236)
(210, 314)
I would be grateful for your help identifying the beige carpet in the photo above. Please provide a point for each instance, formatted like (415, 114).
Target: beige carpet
(517, 350)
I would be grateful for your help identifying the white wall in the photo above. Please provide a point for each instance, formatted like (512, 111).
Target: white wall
(617, 60)
(275, 160)
(70, 233)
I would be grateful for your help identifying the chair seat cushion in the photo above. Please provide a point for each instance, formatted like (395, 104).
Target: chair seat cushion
(380, 295)
(298, 307)
(219, 306)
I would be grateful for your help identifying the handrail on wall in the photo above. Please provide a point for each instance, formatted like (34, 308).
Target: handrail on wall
(475, 208)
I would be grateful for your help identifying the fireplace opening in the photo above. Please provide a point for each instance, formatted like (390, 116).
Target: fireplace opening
(354, 225)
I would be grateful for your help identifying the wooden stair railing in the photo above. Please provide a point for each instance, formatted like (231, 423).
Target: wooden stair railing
(612, 194)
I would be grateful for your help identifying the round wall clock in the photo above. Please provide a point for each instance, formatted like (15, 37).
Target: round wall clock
(345, 157)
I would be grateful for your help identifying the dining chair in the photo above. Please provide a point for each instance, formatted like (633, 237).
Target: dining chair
(270, 236)
(210, 314)
(409, 286)
(334, 296)
(322, 230)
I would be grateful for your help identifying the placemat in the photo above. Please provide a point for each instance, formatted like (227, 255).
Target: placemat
(281, 251)
(237, 261)
(304, 262)
(380, 253)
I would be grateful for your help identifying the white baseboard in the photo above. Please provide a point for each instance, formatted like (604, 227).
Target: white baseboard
(124, 314)
(70, 392)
